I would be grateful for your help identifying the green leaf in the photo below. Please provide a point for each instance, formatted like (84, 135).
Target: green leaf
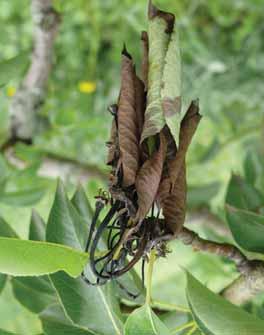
(37, 227)
(158, 43)
(97, 309)
(242, 195)
(32, 258)
(13, 67)
(199, 196)
(4, 332)
(3, 279)
(55, 322)
(250, 168)
(144, 321)
(82, 204)
(171, 90)
(34, 293)
(65, 226)
(247, 228)
(216, 316)
(22, 198)
(5, 231)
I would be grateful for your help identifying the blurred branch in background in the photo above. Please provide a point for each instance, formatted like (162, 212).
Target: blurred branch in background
(30, 96)
(251, 281)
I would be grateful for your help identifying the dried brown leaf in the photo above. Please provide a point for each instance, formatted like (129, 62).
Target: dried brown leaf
(188, 127)
(127, 121)
(173, 201)
(112, 145)
(153, 12)
(140, 104)
(148, 180)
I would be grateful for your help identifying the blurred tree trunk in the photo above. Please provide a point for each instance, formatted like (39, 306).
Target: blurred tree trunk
(31, 93)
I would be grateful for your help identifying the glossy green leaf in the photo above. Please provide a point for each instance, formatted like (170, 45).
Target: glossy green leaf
(5, 231)
(158, 43)
(199, 196)
(55, 322)
(34, 293)
(32, 258)
(97, 309)
(171, 89)
(97, 306)
(82, 204)
(12, 68)
(144, 321)
(216, 316)
(242, 195)
(247, 228)
(22, 198)
(65, 226)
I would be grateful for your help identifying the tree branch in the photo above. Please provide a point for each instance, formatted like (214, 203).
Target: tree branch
(30, 95)
(251, 281)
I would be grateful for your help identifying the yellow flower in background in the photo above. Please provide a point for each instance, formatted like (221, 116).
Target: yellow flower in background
(87, 87)
(10, 91)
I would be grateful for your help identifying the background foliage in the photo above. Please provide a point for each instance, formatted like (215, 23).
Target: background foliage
(222, 49)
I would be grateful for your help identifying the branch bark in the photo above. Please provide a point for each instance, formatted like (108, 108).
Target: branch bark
(251, 280)
(30, 95)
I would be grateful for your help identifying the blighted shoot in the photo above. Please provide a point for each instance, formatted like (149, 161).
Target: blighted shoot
(149, 140)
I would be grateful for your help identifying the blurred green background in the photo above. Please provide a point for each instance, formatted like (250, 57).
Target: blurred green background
(222, 49)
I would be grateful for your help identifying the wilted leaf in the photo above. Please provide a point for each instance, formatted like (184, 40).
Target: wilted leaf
(112, 144)
(173, 202)
(188, 127)
(140, 104)
(247, 228)
(242, 195)
(160, 27)
(144, 321)
(32, 258)
(145, 58)
(216, 316)
(171, 88)
(127, 121)
(148, 179)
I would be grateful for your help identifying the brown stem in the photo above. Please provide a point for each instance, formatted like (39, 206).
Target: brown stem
(251, 280)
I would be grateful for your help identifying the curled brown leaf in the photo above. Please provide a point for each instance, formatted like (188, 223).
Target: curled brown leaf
(148, 179)
(127, 121)
(173, 201)
(153, 12)
(188, 127)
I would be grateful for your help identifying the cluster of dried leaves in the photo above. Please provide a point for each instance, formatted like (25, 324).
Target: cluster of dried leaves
(148, 144)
